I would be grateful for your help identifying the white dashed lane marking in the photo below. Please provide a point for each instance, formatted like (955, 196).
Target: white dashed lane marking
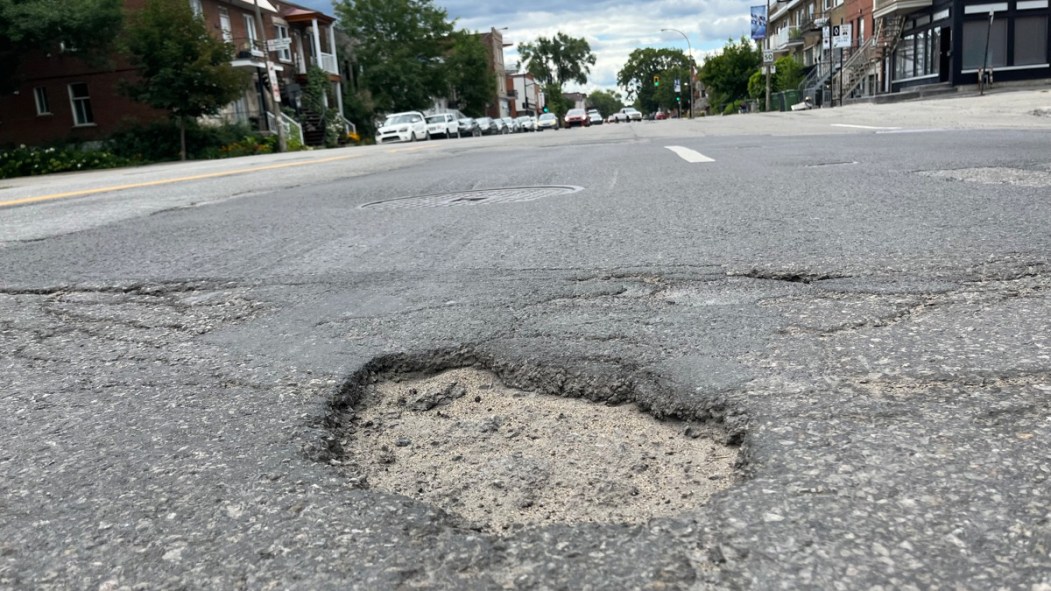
(862, 126)
(689, 155)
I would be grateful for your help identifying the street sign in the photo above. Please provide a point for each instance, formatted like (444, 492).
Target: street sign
(279, 44)
(768, 56)
(678, 85)
(271, 73)
(841, 36)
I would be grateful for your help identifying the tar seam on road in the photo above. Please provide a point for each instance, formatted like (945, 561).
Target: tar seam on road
(26, 200)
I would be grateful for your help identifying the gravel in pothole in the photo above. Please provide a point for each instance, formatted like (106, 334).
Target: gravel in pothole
(502, 458)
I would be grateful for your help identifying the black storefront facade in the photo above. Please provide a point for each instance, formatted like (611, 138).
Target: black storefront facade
(947, 42)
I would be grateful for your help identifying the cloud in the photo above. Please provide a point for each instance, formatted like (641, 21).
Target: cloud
(613, 28)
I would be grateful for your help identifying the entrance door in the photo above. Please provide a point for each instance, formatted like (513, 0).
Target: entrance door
(944, 54)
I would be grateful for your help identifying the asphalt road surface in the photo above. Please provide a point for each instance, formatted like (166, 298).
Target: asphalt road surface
(853, 305)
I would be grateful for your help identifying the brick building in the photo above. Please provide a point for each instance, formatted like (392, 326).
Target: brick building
(61, 97)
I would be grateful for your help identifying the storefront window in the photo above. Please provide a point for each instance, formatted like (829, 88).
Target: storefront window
(906, 62)
(975, 34)
(1030, 40)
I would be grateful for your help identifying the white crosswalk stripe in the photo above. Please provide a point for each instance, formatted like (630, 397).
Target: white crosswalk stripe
(689, 155)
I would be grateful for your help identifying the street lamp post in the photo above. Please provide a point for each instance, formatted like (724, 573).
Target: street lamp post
(689, 83)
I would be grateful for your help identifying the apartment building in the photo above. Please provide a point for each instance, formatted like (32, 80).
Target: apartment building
(63, 98)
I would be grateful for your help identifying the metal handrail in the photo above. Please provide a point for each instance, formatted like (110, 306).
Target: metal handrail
(291, 126)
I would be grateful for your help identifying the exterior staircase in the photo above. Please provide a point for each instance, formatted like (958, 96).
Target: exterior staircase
(868, 59)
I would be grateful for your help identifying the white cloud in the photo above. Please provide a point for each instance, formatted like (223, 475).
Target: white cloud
(613, 28)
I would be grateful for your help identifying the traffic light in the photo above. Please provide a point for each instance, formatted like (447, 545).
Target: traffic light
(678, 99)
(656, 80)
(546, 110)
(527, 104)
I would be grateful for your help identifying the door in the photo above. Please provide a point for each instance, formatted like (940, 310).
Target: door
(944, 54)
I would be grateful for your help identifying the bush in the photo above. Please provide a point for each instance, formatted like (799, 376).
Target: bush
(28, 161)
(159, 141)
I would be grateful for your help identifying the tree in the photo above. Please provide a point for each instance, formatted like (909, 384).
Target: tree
(554, 62)
(182, 68)
(468, 74)
(606, 101)
(789, 73)
(643, 65)
(85, 28)
(399, 51)
(726, 75)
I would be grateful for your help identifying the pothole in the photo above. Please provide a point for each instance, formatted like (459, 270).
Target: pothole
(997, 175)
(479, 197)
(502, 458)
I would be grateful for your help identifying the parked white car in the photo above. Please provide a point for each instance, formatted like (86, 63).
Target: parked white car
(409, 126)
(627, 114)
(443, 124)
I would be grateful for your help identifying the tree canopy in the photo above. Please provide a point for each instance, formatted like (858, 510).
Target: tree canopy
(558, 60)
(606, 101)
(469, 77)
(637, 76)
(399, 52)
(84, 27)
(726, 75)
(183, 69)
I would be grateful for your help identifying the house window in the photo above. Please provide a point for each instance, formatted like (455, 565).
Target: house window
(250, 30)
(197, 8)
(1030, 40)
(284, 55)
(80, 101)
(224, 25)
(974, 41)
(43, 107)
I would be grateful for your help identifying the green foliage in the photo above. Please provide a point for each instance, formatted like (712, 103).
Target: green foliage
(638, 72)
(606, 101)
(757, 84)
(399, 51)
(85, 27)
(558, 60)
(314, 92)
(249, 145)
(726, 75)
(28, 161)
(556, 102)
(159, 141)
(184, 69)
(789, 74)
(469, 77)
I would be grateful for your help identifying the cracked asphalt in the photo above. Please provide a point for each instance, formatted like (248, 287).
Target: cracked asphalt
(179, 367)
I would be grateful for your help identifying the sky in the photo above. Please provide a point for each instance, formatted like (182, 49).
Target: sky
(613, 28)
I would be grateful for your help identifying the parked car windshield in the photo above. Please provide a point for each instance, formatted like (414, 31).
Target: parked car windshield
(398, 119)
(547, 116)
(436, 119)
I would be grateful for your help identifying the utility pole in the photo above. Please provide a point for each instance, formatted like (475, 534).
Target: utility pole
(273, 98)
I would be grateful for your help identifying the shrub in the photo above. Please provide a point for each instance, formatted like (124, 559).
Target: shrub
(159, 141)
(29, 161)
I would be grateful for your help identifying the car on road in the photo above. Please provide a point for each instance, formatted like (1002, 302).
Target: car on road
(627, 115)
(547, 121)
(595, 118)
(660, 116)
(526, 123)
(443, 124)
(509, 124)
(488, 126)
(468, 127)
(577, 118)
(409, 126)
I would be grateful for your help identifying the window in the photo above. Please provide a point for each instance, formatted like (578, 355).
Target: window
(43, 107)
(224, 25)
(974, 40)
(1030, 40)
(906, 58)
(198, 10)
(284, 55)
(250, 29)
(81, 103)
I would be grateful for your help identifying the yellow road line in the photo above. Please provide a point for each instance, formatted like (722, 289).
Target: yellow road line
(25, 200)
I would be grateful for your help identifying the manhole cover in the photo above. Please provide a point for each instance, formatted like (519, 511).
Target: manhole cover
(502, 458)
(479, 197)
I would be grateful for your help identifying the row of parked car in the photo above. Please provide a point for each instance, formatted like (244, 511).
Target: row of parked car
(414, 126)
